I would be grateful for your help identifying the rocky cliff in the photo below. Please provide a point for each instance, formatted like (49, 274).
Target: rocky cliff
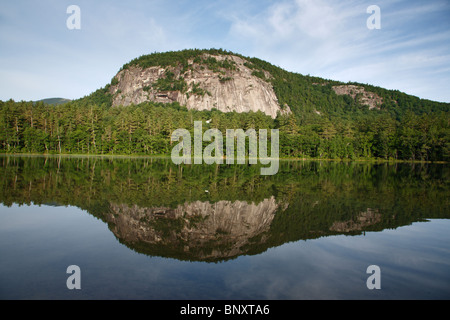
(224, 82)
(372, 100)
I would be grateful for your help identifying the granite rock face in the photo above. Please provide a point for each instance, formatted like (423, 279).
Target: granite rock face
(226, 89)
(364, 97)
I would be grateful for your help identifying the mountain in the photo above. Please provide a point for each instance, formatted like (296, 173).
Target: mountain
(226, 81)
(153, 95)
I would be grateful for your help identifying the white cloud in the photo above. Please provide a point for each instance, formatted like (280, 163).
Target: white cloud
(323, 38)
(331, 40)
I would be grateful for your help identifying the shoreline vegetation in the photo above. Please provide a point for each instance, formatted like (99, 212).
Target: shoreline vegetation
(142, 156)
(146, 129)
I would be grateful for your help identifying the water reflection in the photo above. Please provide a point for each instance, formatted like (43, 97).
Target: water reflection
(196, 230)
(216, 213)
(363, 220)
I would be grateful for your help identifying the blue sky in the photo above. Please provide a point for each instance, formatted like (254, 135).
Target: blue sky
(40, 57)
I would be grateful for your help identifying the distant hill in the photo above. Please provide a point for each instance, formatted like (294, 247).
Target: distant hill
(54, 101)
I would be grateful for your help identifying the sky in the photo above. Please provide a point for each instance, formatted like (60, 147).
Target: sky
(41, 57)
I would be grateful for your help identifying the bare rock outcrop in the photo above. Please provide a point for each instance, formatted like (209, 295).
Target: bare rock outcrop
(357, 92)
(226, 89)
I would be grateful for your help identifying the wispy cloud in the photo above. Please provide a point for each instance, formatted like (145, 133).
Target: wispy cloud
(331, 40)
(324, 38)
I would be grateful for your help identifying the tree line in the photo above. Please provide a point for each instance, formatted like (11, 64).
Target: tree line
(90, 126)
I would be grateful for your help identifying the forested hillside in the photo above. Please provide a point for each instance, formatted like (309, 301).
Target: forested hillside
(323, 124)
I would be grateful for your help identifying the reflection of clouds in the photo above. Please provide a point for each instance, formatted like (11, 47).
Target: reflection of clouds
(414, 263)
(302, 270)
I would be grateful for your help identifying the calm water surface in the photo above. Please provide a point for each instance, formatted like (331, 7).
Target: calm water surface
(147, 229)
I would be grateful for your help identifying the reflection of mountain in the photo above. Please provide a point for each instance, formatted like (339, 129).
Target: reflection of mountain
(160, 209)
(200, 230)
(363, 220)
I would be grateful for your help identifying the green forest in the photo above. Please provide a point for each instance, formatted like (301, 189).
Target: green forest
(322, 125)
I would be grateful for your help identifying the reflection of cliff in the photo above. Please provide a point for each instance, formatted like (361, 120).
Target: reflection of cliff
(364, 219)
(196, 231)
(170, 215)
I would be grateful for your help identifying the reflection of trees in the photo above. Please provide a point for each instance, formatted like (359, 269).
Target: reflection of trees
(318, 198)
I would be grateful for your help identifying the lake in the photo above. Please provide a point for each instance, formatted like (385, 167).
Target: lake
(144, 228)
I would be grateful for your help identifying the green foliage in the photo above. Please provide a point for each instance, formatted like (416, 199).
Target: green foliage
(260, 74)
(216, 66)
(176, 58)
(77, 127)
(225, 79)
(100, 97)
(169, 83)
(199, 91)
(114, 81)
